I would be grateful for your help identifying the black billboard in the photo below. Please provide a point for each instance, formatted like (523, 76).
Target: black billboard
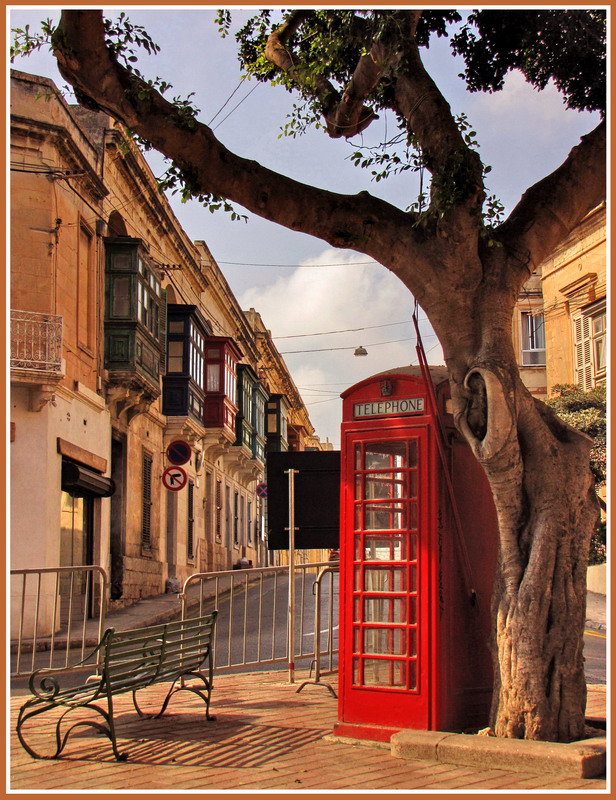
(317, 499)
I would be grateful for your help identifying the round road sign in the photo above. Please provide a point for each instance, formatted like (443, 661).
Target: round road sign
(262, 490)
(174, 478)
(179, 452)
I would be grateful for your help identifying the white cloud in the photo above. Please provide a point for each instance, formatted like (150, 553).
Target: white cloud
(314, 299)
(523, 133)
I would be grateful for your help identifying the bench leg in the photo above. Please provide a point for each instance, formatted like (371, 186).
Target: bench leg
(108, 730)
(204, 694)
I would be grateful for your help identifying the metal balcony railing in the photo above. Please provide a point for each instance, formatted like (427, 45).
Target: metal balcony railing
(36, 341)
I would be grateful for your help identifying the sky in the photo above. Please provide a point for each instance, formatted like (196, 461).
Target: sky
(523, 135)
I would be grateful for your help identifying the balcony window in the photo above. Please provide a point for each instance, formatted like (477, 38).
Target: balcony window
(259, 402)
(277, 410)
(533, 340)
(134, 323)
(184, 383)
(220, 361)
(250, 421)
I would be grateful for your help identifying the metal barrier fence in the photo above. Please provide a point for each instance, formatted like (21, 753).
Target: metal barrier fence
(55, 611)
(58, 615)
(252, 625)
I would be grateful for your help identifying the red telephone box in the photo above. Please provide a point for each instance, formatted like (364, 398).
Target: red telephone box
(415, 586)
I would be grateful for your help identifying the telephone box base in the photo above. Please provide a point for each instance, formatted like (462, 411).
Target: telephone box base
(372, 733)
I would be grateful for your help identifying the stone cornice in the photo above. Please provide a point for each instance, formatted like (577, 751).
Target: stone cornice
(60, 137)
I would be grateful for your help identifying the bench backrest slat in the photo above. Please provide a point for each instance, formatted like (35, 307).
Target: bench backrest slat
(143, 656)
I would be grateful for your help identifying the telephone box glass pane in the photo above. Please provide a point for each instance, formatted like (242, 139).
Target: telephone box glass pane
(412, 453)
(384, 579)
(412, 547)
(412, 484)
(385, 455)
(412, 674)
(413, 516)
(413, 578)
(382, 486)
(385, 548)
(384, 641)
(384, 609)
(382, 672)
(412, 642)
(358, 525)
(413, 610)
(385, 517)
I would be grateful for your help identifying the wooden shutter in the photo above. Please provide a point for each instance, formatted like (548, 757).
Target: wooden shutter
(146, 501)
(190, 538)
(162, 331)
(218, 510)
(583, 352)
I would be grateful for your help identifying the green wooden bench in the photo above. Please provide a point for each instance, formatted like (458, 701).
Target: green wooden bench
(127, 662)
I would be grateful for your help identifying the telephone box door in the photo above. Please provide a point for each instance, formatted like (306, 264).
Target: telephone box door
(387, 521)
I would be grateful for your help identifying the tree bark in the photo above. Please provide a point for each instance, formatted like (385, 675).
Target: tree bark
(547, 508)
(538, 467)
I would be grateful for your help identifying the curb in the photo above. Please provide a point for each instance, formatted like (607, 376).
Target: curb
(582, 759)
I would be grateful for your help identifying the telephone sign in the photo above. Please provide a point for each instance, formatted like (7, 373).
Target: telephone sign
(174, 478)
(179, 452)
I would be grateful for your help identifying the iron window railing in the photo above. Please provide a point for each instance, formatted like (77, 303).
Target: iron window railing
(36, 341)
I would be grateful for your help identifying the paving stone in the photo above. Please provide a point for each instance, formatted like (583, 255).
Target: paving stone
(266, 737)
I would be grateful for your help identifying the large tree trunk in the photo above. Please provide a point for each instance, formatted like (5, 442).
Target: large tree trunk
(538, 469)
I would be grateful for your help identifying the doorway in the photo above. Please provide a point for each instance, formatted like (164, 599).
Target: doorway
(76, 549)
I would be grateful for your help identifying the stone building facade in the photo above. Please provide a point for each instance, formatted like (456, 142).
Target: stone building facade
(126, 339)
(560, 324)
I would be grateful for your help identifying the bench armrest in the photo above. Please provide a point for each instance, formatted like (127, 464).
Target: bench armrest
(47, 677)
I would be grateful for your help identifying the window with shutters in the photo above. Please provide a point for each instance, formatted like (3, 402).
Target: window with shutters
(218, 511)
(249, 523)
(228, 517)
(589, 331)
(236, 518)
(209, 504)
(146, 501)
(533, 339)
(190, 522)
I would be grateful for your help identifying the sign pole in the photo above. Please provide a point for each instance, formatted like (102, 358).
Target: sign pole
(291, 606)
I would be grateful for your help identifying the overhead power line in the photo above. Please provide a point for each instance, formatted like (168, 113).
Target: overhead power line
(323, 349)
(345, 330)
(235, 107)
(294, 266)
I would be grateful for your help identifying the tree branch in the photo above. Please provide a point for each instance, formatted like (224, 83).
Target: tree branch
(549, 211)
(359, 222)
(345, 115)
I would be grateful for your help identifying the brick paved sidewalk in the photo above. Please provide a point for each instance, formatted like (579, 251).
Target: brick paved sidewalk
(266, 737)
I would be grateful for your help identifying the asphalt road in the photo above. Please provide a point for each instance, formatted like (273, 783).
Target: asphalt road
(595, 656)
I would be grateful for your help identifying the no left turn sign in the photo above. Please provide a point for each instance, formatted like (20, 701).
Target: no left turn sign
(174, 478)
